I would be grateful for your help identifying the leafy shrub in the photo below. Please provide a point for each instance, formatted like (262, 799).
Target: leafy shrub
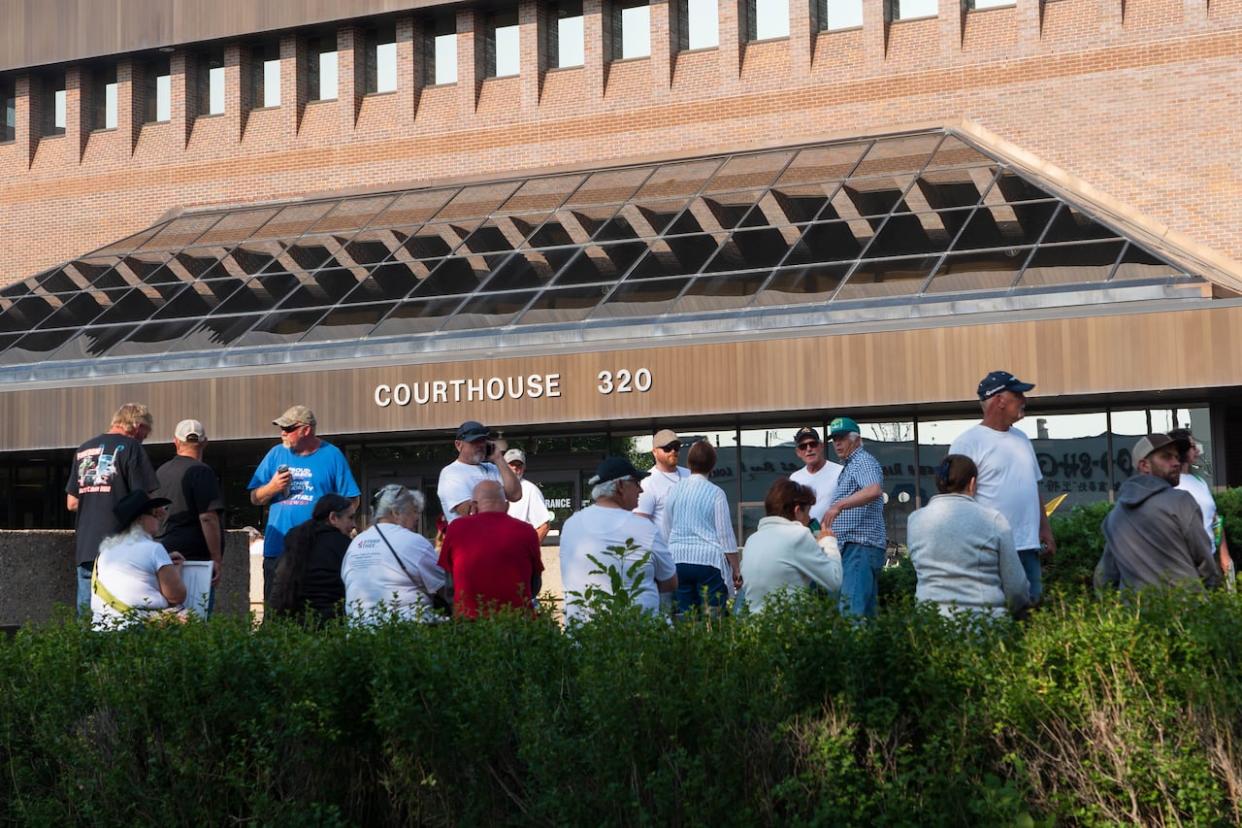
(1079, 546)
(1093, 713)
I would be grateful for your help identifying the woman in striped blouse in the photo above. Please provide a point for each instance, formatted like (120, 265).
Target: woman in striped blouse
(700, 535)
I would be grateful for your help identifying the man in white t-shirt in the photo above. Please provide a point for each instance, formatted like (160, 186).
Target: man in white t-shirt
(607, 525)
(532, 508)
(819, 473)
(478, 459)
(1009, 473)
(666, 474)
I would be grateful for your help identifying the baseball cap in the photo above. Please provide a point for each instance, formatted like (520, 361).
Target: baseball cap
(190, 431)
(472, 430)
(1154, 442)
(515, 456)
(999, 381)
(136, 503)
(842, 425)
(804, 432)
(295, 415)
(664, 437)
(615, 468)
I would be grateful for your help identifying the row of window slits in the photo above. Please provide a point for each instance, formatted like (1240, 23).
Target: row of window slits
(911, 216)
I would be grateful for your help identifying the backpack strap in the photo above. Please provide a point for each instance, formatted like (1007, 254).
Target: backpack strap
(105, 595)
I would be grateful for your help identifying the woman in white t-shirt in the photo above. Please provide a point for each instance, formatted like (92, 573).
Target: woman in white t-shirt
(1198, 488)
(390, 570)
(610, 523)
(134, 577)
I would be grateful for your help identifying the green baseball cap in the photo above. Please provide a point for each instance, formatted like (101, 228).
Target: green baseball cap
(842, 425)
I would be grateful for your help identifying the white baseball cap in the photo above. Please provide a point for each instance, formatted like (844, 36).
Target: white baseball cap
(190, 431)
(515, 456)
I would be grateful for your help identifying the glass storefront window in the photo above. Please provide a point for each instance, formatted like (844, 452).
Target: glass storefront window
(892, 444)
(1073, 455)
(764, 456)
(1126, 427)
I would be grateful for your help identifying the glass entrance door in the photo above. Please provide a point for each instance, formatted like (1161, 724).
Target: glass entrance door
(560, 493)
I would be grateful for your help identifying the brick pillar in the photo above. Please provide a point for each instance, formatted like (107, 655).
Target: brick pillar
(801, 38)
(351, 73)
(29, 118)
(1030, 25)
(875, 33)
(533, 54)
(662, 49)
(1112, 15)
(952, 23)
(184, 95)
(130, 101)
(411, 68)
(293, 88)
(732, 41)
(596, 46)
(236, 99)
(470, 32)
(77, 118)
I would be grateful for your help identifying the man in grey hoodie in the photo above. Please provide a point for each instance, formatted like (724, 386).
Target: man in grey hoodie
(1154, 535)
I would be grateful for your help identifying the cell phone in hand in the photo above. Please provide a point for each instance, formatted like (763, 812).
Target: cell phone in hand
(814, 526)
(490, 449)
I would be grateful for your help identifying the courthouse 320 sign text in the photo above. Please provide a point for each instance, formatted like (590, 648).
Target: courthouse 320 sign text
(495, 389)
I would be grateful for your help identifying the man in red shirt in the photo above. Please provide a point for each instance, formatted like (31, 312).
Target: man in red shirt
(493, 558)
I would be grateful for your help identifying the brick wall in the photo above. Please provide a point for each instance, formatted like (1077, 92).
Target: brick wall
(1141, 100)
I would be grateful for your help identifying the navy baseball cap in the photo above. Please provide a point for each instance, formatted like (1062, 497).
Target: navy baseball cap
(615, 468)
(471, 430)
(999, 381)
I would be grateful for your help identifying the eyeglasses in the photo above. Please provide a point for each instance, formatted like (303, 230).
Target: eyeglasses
(808, 445)
(289, 428)
(672, 447)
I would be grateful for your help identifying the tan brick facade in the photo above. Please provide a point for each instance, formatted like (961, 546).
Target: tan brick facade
(1142, 99)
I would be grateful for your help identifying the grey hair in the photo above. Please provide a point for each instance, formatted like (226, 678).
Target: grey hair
(130, 534)
(395, 499)
(606, 489)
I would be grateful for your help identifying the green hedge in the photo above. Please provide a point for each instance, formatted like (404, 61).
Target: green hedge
(1091, 713)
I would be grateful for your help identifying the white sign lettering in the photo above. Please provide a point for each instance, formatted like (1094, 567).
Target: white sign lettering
(476, 389)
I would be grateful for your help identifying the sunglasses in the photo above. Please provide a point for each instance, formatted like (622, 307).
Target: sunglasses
(289, 428)
(672, 447)
(809, 444)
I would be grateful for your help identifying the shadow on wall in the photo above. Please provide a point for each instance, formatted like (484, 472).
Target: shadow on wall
(36, 574)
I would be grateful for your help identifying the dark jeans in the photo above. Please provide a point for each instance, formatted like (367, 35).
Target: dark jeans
(861, 565)
(1030, 565)
(269, 578)
(695, 579)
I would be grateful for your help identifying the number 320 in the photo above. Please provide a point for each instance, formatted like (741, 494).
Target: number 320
(624, 381)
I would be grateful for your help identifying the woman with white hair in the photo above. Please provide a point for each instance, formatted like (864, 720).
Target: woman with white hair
(390, 570)
(604, 527)
(134, 576)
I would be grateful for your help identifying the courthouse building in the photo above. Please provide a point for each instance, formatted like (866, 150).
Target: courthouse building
(579, 221)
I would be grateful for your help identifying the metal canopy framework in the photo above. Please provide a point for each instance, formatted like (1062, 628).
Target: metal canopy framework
(924, 218)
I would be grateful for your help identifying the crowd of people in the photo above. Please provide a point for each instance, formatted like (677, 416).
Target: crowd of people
(665, 535)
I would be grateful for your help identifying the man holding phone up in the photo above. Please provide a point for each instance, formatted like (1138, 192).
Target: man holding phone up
(478, 459)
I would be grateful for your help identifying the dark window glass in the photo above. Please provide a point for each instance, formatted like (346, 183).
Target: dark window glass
(182, 232)
(488, 238)
(798, 204)
(1013, 188)
(417, 316)
(1006, 225)
(151, 338)
(157, 90)
(310, 252)
(379, 54)
(77, 309)
(261, 293)
(214, 333)
(91, 342)
(489, 310)
(281, 328)
(751, 249)
(540, 195)
(954, 152)
(646, 221)
(647, 297)
(883, 278)
(26, 313)
(265, 75)
(477, 201)
(873, 197)
(1071, 225)
(682, 256)
(1137, 263)
(324, 288)
(744, 172)
(564, 305)
(724, 211)
(53, 103)
(680, 180)
(457, 275)
(989, 270)
(8, 110)
(370, 247)
(346, 323)
(136, 305)
(1072, 263)
(101, 97)
(803, 285)
(36, 346)
(725, 292)
(834, 241)
(949, 190)
(905, 234)
(600, 263)
(529, 269)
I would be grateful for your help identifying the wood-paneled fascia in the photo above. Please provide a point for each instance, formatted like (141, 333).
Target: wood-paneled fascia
(1151, 352)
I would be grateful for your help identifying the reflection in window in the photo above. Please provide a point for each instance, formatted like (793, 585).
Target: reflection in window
(631, 29)
(839, 14)
(766, 19)
(565, 34)
(765, 455)
(892, 445)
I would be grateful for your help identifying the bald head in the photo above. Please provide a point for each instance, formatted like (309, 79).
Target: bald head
(489, 496)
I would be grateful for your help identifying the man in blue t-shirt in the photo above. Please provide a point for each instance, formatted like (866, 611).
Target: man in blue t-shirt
(291, 478)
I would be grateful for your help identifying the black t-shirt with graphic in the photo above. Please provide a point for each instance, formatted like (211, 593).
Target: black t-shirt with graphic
(105, 469)
(193, 488)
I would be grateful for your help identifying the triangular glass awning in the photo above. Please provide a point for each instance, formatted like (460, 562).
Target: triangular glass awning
(827, 232)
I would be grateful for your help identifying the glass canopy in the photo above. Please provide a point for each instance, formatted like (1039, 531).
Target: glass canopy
(911, 218)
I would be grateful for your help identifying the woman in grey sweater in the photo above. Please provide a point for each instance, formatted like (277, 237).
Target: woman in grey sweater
(963, 551)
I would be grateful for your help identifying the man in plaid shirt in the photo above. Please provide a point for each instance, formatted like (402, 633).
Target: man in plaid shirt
(856, 518)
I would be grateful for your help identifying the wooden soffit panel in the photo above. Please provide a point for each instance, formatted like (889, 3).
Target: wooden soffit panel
(1188, 349)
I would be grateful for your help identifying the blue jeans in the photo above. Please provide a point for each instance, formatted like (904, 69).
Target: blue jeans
(861, 565)
(1030, 565)
(84, 590)
(693, 580)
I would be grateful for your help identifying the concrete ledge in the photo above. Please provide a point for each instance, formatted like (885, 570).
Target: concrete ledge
(36, 574)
